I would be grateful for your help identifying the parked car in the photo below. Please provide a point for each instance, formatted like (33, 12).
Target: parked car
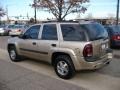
(68, 46)
(2, 30)
(114, 34)
(15, 29)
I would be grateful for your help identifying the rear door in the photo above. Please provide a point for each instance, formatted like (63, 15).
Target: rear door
(49, 41)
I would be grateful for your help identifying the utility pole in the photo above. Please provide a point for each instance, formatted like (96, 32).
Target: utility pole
(35, 10)
(7, 14)
(27, 16)
(117, 13)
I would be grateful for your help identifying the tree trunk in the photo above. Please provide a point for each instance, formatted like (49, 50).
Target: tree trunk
(59, 18)
(60, 10)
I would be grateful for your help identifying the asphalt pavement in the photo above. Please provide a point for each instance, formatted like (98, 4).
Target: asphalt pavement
(14, 77)
(35, 75)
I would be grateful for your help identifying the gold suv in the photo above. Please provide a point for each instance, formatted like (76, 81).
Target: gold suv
(68, 46)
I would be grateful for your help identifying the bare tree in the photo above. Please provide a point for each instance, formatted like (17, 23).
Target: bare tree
(61, 8)
(2, 12)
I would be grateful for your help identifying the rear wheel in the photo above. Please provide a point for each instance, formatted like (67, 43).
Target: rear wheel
(13, 54)
(64, 67)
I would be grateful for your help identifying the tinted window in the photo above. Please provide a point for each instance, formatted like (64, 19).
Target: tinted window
(49, 32)
(72, 32)
(15, 26)
(32, 32)
(109, 30)
(11, 26)
(115, 28)
(26, 26)
(95, 31)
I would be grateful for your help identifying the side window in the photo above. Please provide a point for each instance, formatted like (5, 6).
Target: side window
(49, 32)
(108, 30)
(72, 32)
(32, 32)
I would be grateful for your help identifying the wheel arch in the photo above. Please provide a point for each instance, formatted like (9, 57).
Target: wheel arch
(73, 58)
(56, 54)
(10, 45)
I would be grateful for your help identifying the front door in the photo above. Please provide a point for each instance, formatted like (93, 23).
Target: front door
(28, 44)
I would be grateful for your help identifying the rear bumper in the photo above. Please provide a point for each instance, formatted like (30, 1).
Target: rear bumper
(2, 32)
(14, 33)
(5, 33)
(96, 65)
(104, 60)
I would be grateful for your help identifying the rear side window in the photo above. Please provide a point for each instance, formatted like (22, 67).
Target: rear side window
(95, 31)
(72, 32)
(115, 28)
(49, 32)
(109, 30)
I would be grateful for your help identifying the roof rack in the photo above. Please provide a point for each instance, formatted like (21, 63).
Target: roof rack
(86, 21)
(59, 21)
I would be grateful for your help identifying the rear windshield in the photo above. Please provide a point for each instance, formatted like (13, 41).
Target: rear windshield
(72, 32)
(15, 26)
(95, 31)
(11, 26)
(19, 26)
(115, 28)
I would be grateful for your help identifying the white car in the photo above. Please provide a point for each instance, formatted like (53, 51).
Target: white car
(2, 30)
(15, 29)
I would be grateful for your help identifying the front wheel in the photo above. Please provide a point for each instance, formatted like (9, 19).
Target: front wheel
(64, 67)
(13, 54)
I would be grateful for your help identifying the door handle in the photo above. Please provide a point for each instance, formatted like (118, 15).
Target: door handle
(54, 45)
(34, 43)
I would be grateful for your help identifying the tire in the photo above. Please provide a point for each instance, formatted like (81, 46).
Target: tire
(64, 67)
(13, 54)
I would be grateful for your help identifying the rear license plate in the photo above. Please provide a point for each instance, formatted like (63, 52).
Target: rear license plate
(103, 46)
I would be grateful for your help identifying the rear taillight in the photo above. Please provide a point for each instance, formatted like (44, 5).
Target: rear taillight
(88, 50)
(116, 37)
(19, 30)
